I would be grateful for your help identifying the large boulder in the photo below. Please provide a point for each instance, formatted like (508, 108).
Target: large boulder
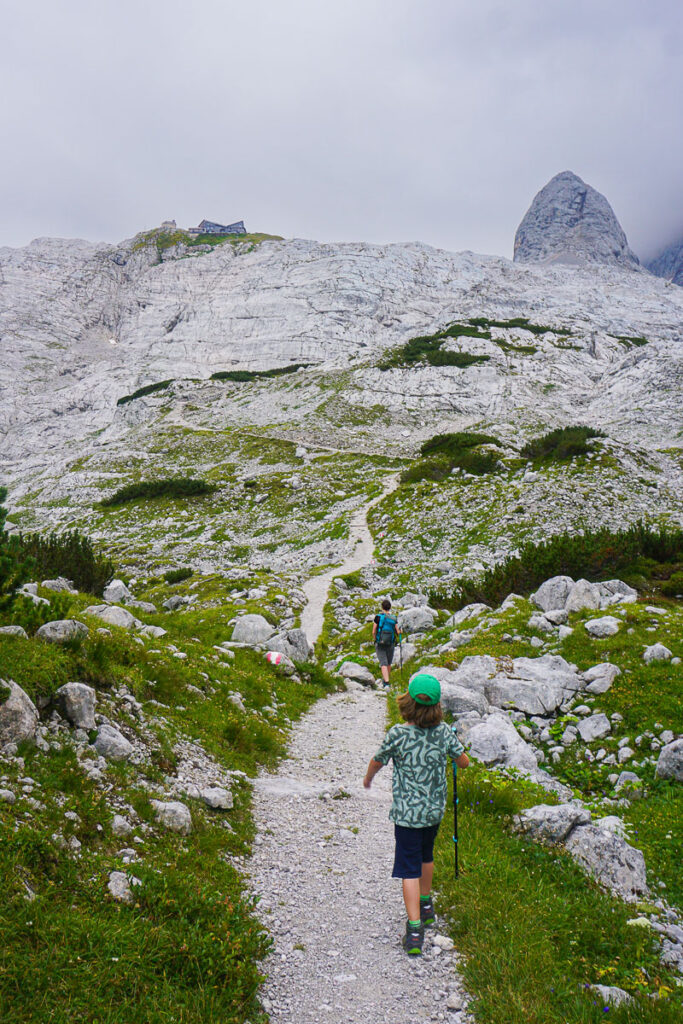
(112, 744)
(470, 611)
(553, 593)
(459, 701)
(113, 616)
(293, 643)
(117, 592)
(583, 595)
(495, 741)
(404, 653)
(534, 698)
(253, 630)
(76, 701)
(18, 714)
(59, 586)
(600, 677)
(549, 668)
(217, 798)
(173, 815)
(617, 592)
(416, 620)
(657, 652)
(594, 727)
(473, 672)
(13, 631)
(551, 824)
(670, 761)
(411, 600)
(603, 627)
(153, 631)
(62, 630)
(609, 859)
(359, 673)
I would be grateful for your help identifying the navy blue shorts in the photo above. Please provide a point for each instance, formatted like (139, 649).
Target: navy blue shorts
(414, 847)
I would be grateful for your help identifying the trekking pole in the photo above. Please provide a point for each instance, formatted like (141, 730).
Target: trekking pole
(455, 816)
(400, 655)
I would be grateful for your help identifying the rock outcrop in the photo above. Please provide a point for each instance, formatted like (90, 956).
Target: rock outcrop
(570, 222)
(669, 263)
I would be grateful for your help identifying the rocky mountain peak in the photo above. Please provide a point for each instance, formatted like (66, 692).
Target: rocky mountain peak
(570, 222)
(669, 263)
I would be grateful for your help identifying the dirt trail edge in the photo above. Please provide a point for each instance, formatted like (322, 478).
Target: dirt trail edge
(322, 869)
(360, 547)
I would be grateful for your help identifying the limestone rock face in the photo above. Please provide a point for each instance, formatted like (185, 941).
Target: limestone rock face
(610, 860)
(18, 714)
(669, 263)
(293, 643)
(570, 222)
(361, 674)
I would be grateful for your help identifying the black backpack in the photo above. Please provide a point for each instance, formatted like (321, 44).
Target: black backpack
(386, 630)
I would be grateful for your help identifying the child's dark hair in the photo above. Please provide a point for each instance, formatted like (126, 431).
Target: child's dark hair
(386, 604)
(422, 715)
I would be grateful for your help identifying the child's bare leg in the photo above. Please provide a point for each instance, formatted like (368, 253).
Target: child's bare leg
(411, 898)
(426, 880)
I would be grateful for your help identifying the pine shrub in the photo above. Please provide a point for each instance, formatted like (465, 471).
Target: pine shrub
(560, 445)
(71, 555)
(177, 575)
(170, 487)
(595, 555)
(15, 564)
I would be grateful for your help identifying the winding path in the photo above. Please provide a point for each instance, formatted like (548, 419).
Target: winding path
(360, 548)
(322, 864)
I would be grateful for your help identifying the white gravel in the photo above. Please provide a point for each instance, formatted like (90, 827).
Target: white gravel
(327, 896)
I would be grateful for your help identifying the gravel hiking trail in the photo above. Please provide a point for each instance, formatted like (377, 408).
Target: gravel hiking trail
(360, 547)
(322, 865)
(322, 868)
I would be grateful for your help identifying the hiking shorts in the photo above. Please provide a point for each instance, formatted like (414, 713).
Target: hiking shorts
(414, 847)
(385, 655)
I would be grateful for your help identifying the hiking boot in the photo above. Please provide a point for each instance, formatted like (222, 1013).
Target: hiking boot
(413, 939)
(427, 913)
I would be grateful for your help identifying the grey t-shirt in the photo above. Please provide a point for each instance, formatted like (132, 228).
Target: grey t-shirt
(419, 783)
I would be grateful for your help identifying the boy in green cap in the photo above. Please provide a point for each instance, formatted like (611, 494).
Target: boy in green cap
(420, 748)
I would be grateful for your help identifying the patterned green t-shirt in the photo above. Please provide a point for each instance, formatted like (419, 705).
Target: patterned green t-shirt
(419, 783)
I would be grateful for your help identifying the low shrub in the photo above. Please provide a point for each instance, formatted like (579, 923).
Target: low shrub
(69, 554)
(454, 444)
(427, 348)
(15, 566)
(521, 322)
(560, 445)
(171, 487)
(449, 452)
(177, 575)
(242, 376)
(595, 555)
(148, 389)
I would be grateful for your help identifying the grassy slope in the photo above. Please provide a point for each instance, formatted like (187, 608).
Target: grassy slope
(188, 948)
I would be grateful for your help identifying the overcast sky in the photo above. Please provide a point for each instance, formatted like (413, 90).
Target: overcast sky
(381, 120)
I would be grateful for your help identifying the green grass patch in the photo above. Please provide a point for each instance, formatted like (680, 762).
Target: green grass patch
(171, 487)
(630, 342)
(518, 322)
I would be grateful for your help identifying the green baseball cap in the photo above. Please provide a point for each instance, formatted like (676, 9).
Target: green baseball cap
(425, 689)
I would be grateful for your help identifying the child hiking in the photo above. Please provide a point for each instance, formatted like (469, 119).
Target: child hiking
(385, 634)
(420, 748)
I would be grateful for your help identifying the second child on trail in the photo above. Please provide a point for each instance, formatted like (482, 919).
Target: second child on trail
(420, 748)
(385, 635)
